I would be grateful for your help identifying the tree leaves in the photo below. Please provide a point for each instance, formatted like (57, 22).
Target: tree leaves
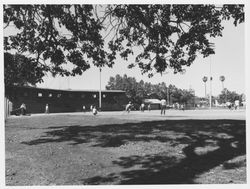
(228, 96)
(56, 32)
(169, 36)
(19, 70)
(138, 91)
(160, 37)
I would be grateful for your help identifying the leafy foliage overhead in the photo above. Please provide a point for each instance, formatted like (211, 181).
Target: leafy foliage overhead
(170, 36)
(20, 70)
(59, 33)
(160, 37)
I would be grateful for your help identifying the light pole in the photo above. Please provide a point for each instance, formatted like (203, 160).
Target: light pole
(205, 80)
(168, 95)
(210, 93)
(222, 79)
(100, 90)
(211, 45)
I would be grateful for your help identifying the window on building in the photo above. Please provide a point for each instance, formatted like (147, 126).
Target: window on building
(94, 95)
(104, 95)
(59, 95)
(50, 95)
(39, 94)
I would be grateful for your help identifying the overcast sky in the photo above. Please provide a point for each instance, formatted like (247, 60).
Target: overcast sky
(228, 61)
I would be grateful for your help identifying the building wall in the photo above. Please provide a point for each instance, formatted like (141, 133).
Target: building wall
(62, 101)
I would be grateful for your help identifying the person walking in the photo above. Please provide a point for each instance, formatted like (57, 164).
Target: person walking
(163, 106)
(94, 110)
(128, 107)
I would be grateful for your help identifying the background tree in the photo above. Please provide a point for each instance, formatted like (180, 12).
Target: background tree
(161, 90)
(138, 91)
(228, 96)
(134, 90)
(165, 36)
(175, 93)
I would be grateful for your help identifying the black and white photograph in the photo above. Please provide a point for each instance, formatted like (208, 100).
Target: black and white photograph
(124, 94)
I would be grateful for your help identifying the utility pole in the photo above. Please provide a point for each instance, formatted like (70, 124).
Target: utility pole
(100, 90)
(210, 78)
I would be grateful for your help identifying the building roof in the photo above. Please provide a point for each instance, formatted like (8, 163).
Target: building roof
(70, 90)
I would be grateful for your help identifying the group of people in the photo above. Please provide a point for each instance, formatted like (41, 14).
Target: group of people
(142, 107)
(163, 105)
(129, 106)
(233, 106)
(22, 110)
(93, 109)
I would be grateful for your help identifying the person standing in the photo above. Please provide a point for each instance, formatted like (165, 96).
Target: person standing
(149, 107)
(94, 110)
(163, 106)
(182, 107)
(47, 109)
(236, 104)
(23, 109)
(142, 107)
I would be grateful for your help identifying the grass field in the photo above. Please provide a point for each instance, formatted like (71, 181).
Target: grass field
(182, 147)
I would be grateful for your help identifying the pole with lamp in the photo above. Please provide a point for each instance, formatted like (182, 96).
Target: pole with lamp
(100, 89)
(210, 92)
(222, 79)
(210, 78)
(204, 79)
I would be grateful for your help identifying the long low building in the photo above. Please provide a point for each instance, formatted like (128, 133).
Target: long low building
(36, 99)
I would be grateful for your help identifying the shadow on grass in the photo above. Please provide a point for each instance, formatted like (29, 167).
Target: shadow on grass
(226, 137)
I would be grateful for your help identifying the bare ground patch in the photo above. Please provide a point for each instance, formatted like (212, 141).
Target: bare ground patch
(80, 150)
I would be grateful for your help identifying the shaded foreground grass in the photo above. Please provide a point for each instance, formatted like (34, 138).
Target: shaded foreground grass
(111, 151)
